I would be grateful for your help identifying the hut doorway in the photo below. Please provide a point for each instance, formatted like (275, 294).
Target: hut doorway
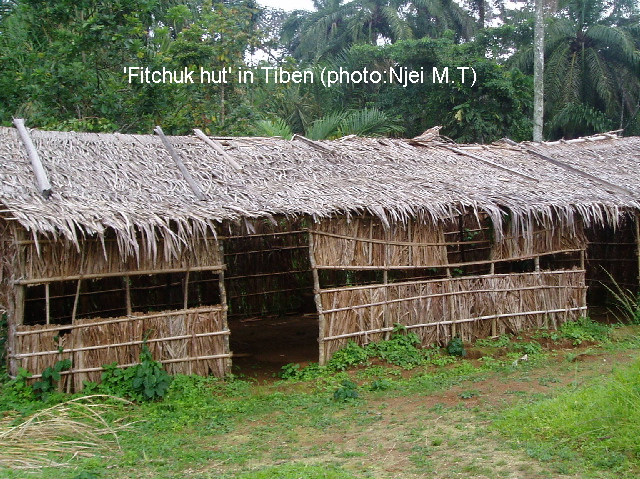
(269, 288)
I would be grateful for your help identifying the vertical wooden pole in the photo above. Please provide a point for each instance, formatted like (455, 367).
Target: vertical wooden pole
(584, 291)
(127, 292)
(385, 281)
(536, 264)
(186, 290)
(75, 301)
(322, 359)
(15, 320)
(452, 312)
(47, 303)
(225, 308)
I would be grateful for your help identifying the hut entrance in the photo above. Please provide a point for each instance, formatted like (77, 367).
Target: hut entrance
(272, 314)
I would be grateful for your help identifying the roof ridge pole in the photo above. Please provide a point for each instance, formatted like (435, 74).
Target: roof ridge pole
(38, 170)
(214, 144)
(183, 169)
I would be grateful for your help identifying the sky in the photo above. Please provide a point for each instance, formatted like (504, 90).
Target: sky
(288, 5)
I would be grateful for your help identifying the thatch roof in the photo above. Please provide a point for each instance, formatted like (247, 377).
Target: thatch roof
(129, 183)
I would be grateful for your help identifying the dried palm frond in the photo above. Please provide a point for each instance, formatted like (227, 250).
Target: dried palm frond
(59, 434)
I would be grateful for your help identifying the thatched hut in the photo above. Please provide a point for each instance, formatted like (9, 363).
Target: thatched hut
(170, 240)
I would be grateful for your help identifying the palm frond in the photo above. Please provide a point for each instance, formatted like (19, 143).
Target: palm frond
(277, 127)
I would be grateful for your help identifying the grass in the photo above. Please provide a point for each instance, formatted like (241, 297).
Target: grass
(600, 422)
(454, 419)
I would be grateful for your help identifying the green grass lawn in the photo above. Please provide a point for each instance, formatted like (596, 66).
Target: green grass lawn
(561, 413)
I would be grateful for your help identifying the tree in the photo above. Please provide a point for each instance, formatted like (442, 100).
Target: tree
(592, 68)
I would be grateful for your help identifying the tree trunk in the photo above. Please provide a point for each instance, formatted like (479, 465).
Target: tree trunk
(538, 71)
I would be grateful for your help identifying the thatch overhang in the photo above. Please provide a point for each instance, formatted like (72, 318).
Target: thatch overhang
(129, 183)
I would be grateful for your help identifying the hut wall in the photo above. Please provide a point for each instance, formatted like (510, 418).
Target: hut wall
(530, 237)
(454, 290)
(95, 306)
(358, 242)
(471, 306)
(61, 259)
(188, 342)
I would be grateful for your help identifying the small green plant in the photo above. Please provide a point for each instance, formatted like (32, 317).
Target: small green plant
(500, 342)
(150, 380)
(380, 385)
(146, 381)
(471, 393)
(349, 356)
(626, 303)
(346, 392)
(532, 347)
(455, 347)
(584, 329)
(50, 378)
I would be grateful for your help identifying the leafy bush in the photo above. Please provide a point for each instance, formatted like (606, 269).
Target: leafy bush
(49, 381)
(532, 347)
(349, 356)
(401, 350)
(455, 347)
(346, 392)
(146, 381)
(584, 329)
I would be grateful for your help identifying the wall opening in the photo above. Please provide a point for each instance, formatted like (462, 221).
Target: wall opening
(272, 314)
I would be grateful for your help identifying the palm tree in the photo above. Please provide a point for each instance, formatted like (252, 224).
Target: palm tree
(592, 75)
(336, 25)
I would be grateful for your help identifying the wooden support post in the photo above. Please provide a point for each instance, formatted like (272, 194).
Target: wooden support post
(38, 170)
(385, 280)
(322, 359)
(223, 303)
(127, 292)
(451, 304)
(186, 290)
(183, 169)
(75, 302)
(47, 304)
(536, 264)
(15, 319)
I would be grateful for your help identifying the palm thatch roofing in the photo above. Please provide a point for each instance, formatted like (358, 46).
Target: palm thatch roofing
(130, 183)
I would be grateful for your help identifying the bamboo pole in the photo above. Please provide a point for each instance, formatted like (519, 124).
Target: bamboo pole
(425, 281)
(638, 243)
(127, 293)
(450, 265)
(396, 243)
(120, 345)
(183, 169)
(223, 303)
(164, 314)
(448, 294)
(38, 170)
(76, 299)
(316, 295)
(385, 280)
(24, 282)
(218, 148)
(122, 366)
(47, 302)
(457, 321)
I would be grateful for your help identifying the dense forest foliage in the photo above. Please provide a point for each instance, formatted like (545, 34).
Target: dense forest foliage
(80, 65)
